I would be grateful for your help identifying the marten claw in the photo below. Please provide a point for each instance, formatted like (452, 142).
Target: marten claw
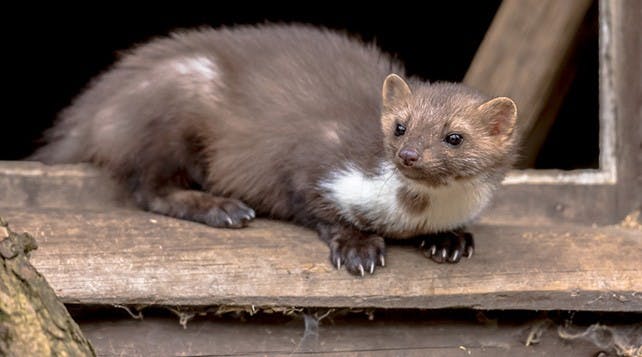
(224, 213)
(469, 252)
(357, 252)
(447, 247)
(249, 217)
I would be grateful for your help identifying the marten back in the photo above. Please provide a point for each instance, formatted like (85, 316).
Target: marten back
(258, 105)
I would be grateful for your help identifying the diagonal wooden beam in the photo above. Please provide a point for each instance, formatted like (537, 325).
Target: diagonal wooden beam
(524, 52)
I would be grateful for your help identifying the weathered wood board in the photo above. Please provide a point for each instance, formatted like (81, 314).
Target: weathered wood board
(26, 185)
(126, 256)
(415, 335)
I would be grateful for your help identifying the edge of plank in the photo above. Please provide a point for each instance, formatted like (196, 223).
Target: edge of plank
(129, 257)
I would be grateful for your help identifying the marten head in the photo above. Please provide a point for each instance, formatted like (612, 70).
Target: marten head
(436, 133)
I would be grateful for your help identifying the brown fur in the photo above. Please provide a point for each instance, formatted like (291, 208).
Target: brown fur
(413, 201)
(203, 123)
(432, 112)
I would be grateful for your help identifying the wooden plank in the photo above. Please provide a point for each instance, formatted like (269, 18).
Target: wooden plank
(122, 256)
(34, 185)
(524, 52)
(530, 204)
(353, 336)
(621, 21)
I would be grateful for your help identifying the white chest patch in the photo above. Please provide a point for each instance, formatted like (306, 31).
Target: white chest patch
(375, 199)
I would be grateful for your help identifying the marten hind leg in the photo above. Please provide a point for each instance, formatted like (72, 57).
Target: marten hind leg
(169, 177)
(197, 206)
(175, 190)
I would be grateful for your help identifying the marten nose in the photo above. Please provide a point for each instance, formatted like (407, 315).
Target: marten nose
(409, 156)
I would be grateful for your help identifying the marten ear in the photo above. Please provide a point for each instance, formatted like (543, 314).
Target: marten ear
(395, 91)
(500, 114)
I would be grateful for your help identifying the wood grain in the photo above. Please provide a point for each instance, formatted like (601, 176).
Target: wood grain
(623, 58)
(123, 256)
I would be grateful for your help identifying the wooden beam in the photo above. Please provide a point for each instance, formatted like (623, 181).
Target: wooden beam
(123, 256)
(623, 62)
(29, 185)
(524, 51)
(450, 333)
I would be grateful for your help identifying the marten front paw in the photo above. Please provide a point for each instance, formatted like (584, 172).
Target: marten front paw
(358, 252)
(447, 247)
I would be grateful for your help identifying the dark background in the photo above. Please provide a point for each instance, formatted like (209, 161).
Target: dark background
(54, 51)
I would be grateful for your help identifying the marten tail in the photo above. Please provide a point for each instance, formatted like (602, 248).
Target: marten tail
(66, 142)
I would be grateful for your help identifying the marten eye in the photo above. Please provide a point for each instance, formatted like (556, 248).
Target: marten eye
(454, 139)
(400, 129)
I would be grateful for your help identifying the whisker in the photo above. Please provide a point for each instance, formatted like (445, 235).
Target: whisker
(385, 181)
